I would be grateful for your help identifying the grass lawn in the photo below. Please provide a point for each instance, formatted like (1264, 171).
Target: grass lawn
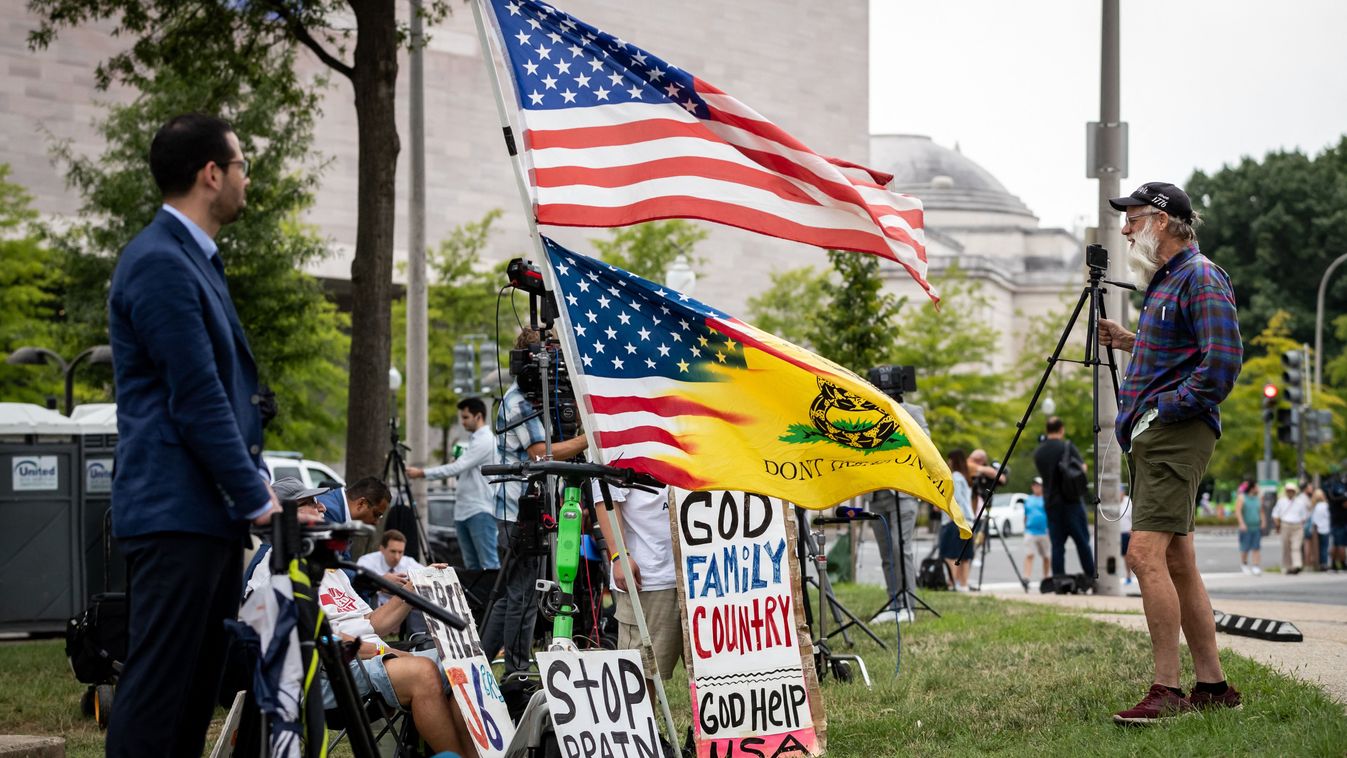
(987, 676)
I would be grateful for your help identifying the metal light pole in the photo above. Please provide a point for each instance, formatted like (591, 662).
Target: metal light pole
(1109, 165)
(418, 345)
(36, 356)
(1319, 321)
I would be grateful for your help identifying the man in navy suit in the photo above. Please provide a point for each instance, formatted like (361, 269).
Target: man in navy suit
(189, 475)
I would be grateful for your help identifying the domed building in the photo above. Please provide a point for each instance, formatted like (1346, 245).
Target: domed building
(1027, 272)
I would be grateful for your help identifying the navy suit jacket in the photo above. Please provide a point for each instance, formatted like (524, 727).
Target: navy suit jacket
(189, 428)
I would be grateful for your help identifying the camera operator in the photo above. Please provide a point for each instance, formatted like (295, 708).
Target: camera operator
(517, 608)
(982, 474)
(899, 513)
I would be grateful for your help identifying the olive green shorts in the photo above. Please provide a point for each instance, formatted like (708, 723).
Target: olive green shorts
(1167, 463)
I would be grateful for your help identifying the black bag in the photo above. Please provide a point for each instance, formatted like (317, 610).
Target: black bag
(934, 575)
(1066, 584)
(95, 641)
(1072, 483)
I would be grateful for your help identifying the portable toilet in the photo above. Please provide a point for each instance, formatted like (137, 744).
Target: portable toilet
(104, 568)
(41, 563)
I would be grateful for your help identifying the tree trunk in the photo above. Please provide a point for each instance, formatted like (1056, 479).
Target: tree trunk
(374, 79)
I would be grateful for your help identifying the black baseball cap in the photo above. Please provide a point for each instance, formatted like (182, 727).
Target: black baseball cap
(1161, 195)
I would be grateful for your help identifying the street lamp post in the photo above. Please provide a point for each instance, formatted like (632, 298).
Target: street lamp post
(37, 356)
(1319, 321)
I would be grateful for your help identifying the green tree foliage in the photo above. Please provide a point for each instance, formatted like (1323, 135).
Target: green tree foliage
(789, 307)
(963, 397)
(1275, 224)
(857, 329)
(30, 305)
(224, 43)
(295, 332)
(462, 300)
(646, 250)
(1241, 444)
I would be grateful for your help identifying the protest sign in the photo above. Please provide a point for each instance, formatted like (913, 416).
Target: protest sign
(465, 665)
(600, 704)
(749, 655)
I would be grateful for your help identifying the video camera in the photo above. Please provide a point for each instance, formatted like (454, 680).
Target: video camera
(894, 380)
(527, 363)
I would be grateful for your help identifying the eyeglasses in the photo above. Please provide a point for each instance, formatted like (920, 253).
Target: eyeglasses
(242, 163)
(1127, 220)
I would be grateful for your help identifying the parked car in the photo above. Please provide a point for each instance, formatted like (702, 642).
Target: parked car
(1007, 513)
(283, 463)
(443, 536)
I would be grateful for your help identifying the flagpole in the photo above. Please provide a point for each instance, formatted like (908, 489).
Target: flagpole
(550, 281)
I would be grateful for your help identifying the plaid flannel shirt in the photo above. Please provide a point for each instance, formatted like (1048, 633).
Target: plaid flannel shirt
(1188, 350)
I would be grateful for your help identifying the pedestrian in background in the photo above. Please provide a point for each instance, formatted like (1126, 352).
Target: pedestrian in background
(1288, 517)
(1036, 531)
(1319, 518)
(1252, 523)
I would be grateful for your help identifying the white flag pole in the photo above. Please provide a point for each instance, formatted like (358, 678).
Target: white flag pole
(526, 200)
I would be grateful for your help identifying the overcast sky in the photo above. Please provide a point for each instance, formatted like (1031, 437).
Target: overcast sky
(1204, 82)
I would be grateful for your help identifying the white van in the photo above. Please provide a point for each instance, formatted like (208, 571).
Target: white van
(282, 463)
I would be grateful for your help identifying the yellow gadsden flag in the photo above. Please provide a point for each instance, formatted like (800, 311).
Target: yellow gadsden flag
(701, 400)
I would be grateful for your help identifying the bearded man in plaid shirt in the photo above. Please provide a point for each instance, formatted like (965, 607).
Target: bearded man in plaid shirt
(1186, 355)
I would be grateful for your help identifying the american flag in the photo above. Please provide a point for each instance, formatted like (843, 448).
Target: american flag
(700, 400)
(614, 136)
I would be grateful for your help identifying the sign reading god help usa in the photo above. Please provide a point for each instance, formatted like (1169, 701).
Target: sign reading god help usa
(748, 652)
(600, 704)
(465, 665)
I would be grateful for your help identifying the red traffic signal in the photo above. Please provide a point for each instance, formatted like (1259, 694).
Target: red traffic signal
(1270, 391)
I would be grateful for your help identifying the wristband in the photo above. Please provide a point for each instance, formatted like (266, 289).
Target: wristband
(615, 557)
(380, 651)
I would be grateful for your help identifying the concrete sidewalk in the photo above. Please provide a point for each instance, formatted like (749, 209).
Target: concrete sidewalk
(1320, 659)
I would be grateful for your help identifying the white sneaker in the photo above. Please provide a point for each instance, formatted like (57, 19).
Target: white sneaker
(1245, 568)
(1256, 571)
(906, 616)
(883, 617)
(902, 615)
(977, 563)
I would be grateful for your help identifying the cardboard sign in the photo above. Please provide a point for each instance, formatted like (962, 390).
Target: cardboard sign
(600, 704)
(469, 672)
(748, 651)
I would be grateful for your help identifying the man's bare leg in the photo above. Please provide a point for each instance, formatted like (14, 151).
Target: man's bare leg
(1146, 556)
(1199, 626)
(417, 684)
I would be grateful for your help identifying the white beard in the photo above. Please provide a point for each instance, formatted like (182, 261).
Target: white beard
(1143, 256)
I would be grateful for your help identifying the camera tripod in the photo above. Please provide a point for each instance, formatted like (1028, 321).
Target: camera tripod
(1096, 258)
(395, 476)
(987, 541)
(305, 555)
(810, 547)
(904, 598)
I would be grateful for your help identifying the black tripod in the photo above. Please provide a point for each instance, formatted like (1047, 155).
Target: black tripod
(1096, 259)
(987, 541)
(395, 476)
(904, 598)
(315, 551)
(810, 548)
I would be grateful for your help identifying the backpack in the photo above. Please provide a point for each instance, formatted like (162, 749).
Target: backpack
(1072, 483)
(934, 575)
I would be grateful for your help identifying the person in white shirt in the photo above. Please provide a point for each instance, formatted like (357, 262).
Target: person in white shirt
(1289, 516)
(390, 561)
(474, 516)
(1322, 528)
(648, 538)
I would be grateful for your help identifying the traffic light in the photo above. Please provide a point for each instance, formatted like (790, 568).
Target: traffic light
(1318, 427)
(1288, 425)
(1269, 401)
(1293, 375)
(465, 364)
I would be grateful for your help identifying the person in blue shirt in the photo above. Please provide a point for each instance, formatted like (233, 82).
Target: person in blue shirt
(1036, 531)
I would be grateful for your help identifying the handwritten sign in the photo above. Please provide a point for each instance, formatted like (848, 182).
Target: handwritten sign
(600, 704)
(748, 652)
(465, 665)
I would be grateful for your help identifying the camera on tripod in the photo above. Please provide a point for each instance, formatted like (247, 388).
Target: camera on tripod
(894, 380)
(527, 363)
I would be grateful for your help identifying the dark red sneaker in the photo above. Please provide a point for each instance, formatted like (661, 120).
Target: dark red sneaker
(1205, 700)
(1160, 702)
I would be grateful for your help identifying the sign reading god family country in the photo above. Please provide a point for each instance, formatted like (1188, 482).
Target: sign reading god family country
(748, 652)
(465, 665)
(600, 704)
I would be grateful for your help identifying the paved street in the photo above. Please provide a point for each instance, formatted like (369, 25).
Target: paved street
(1217, 555)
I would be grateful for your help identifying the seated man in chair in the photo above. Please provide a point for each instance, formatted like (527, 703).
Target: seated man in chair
(413, 680)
